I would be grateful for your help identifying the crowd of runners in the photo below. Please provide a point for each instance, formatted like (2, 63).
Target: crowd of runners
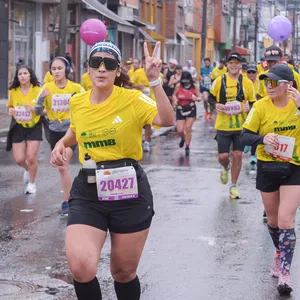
(255, 107)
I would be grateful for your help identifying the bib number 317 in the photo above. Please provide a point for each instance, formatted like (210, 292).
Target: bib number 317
(117, 184)
(284, 150)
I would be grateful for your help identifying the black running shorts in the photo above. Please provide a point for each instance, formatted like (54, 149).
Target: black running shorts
(55, 136)
(268, 185)
(21, 134)
(226, 138)
(191, 112)
(122, 216)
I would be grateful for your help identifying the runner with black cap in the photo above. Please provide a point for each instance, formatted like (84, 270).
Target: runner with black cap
(274, 124)
(115, 194)
(274, 55)
(232, 94)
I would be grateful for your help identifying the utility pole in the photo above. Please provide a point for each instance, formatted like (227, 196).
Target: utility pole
(234, 23)
(256, 30)
(204, 30)
(62, 35)
(294, 28)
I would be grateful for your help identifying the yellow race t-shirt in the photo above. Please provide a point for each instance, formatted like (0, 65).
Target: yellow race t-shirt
(235, 122)
(57, 103)
(86, 81)
(48, 77)
(265, 118)
(131, 74)
(260, 69)
(17, 100)
(111, 130)
(216, 72)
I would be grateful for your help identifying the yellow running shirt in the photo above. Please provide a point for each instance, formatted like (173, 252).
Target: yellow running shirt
(235, 122)
(17, 100)
(265, 118)
(216, 72)
(48, 77)
(111, 130)
(57, 103)
(260, 69)
(87, 81)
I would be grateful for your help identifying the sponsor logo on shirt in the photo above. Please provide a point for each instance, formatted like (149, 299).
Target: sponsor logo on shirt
(117, 120)
(284, 128)
(99, 144)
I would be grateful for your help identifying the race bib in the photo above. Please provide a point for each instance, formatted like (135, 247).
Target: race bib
(207, 80)
(233, 108)
(22, 115)
(60, 102)
(117, 184)
(284, 150)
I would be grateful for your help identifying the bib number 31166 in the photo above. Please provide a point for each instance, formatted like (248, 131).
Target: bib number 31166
(284, 150)
(117, 184)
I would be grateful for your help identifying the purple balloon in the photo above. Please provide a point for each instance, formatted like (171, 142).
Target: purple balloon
(280, 28)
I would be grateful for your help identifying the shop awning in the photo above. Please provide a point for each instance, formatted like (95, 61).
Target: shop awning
(147, 36)
(184, 38)
(123, 25)
(157, 36)
(241, 50)
(138, 22)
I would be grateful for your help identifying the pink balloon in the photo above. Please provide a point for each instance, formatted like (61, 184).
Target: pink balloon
(92, 31)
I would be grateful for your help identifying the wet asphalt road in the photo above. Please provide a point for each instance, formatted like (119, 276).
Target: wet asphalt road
(202, 245)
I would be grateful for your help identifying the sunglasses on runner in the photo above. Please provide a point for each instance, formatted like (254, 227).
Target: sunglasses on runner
(234, 62)
(251, 72)
(273, 83)
(110, 64)
(272, 53)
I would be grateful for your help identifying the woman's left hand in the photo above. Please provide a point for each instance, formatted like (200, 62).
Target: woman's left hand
(295, 95)
(152, 63)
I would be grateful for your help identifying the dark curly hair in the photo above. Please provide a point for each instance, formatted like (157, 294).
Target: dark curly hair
(33, 79)
(123, 80)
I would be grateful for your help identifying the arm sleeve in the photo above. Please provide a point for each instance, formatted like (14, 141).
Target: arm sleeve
(145, 109)
(212, 98)
(253, 120)
(39, 107)
(251, 138)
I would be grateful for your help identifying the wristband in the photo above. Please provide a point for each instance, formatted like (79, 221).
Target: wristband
(155, 82)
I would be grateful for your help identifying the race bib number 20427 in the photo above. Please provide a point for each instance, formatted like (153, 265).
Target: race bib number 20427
(117, 184)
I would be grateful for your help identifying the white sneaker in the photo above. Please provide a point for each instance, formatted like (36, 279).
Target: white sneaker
(31, 188)
(26, 177)
(146, 146)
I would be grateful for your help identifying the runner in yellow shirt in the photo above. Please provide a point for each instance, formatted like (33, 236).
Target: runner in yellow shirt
(232, 94)
(107, 123)
(48, 77)
(220, 70)
(55, 99)
(274, 124)
(86, 81)
(25, 132)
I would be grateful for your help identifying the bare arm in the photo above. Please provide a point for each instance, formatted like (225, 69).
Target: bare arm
(172, 80)
(175, 99)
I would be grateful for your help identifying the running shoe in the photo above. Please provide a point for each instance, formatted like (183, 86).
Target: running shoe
(284, 286)
(276, 266)
(187, 151)
(146, 146)
(181, 144)
(246, 149)
(206, 115)
(224, 176)
(234, 193)
(26, 177)
(30, 188)
(64, 208)
(265, 218)
(210, 116)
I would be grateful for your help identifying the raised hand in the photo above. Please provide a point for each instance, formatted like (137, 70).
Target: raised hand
(152, 63)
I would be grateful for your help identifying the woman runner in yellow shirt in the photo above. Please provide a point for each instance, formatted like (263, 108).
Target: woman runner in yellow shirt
(55, 99)
(25, 132)
(107, 123)
(274, 124)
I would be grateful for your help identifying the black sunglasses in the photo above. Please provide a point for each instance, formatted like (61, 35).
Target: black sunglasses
(110, 64)
(251, 72)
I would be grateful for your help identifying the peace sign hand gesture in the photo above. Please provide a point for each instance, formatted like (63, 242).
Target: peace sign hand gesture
(152, 64)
